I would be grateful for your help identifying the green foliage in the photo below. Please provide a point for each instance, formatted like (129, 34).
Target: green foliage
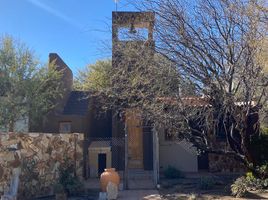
(254, 183)
(258, 183)
(95, 76)
(249, 176)
(264, 131)
(206, 183)
(172, 173)
(28, 90)
(263, 171)
(247, 183)
(239, 187)
(68, 180)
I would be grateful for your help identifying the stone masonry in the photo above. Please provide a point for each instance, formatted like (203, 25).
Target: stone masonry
(39, 155)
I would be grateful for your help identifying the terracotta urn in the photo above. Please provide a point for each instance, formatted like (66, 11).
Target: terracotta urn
(109, 175)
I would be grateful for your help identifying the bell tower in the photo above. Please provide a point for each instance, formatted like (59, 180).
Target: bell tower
(132, 36)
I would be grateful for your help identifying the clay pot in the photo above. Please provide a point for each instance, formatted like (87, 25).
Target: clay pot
(109, 175)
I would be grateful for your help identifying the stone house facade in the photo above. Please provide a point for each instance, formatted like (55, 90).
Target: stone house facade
(130, 146)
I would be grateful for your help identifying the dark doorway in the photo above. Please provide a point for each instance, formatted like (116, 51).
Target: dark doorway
(203, 162)
(101, 162)
(148, 148)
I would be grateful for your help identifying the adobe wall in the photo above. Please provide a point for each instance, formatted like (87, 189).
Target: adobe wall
(178, 154)
(39, 156)
(78, 123)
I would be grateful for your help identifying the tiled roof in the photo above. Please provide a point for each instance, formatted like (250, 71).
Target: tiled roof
(77, 103)
(187, 101)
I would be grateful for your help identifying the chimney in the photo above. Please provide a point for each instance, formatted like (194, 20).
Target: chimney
(66, 79)
(67, 74)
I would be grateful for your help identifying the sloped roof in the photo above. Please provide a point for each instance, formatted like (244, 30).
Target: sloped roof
(77, 103)
(187, 101)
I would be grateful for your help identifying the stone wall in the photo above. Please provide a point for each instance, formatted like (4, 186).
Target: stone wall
(223, 163)
(39, 155)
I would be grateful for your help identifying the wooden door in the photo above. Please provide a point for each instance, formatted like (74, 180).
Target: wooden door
(135, 139)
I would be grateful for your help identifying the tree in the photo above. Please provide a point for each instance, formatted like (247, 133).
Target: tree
(94, 76)
(216, 46)
(28, 90)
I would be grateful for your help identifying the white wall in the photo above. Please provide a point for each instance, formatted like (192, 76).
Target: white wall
(177, 154)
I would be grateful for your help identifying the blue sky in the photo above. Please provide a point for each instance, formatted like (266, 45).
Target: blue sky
(78, 30)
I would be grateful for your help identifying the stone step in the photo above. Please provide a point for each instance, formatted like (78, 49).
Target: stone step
(140, 178)
(140, 175)
(141, 184)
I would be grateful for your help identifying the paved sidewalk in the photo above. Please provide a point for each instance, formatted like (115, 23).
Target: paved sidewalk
(139, 195)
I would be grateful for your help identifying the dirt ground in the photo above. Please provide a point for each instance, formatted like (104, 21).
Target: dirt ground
(187, 189)
(209, 195)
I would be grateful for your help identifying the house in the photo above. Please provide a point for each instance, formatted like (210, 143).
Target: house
(106, 143)
(104, 132)
(133, 147)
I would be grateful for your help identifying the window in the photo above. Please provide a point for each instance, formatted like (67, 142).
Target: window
(65, 127)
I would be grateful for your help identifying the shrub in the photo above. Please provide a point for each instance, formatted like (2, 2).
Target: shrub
(206, 183)
(254, 183)
(264, 130)
(263, 170)
(70, 183)
(239, 187)
(172, 173)
(247, 183)
(74, 187)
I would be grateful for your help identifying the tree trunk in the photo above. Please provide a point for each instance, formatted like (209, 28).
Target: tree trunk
(11, 126)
